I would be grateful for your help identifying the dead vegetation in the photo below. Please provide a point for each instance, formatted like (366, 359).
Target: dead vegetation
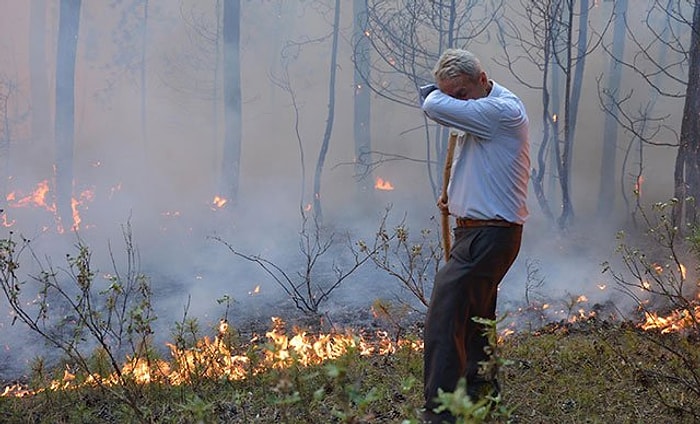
(582, 369)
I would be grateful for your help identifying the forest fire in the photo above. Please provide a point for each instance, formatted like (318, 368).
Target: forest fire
(677, 320)
(40, 197)
(218, 202)
(36, 198)
(382, 184)
(217, 358)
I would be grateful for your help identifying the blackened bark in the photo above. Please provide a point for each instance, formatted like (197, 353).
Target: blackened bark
(318, 212)
(361, 124)
(68, 28)
(574, 84)
(687, 183)
(606, 194)
(231, 161)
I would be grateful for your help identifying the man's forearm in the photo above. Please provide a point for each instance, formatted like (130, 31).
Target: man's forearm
(425, 90)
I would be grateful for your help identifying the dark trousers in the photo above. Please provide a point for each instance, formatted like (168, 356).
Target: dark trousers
(465, 287)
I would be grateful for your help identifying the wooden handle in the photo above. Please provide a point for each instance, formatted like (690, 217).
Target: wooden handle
(446, 230)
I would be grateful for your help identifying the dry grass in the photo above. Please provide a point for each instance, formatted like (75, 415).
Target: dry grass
(602, 373)
(589, 372)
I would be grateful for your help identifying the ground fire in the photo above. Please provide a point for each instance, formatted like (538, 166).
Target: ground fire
(382, 184)
(215, 358)
(41, 198)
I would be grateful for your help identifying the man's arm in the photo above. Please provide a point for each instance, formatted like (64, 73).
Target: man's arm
(425, 90)
(471, 116)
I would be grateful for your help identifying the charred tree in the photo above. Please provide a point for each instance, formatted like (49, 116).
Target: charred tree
(687, 169)
(362, 104)
(318, 174)
(5, 137)
(545, 29)
(408, 38)
(645, 126)
(608, 168)
(556, 46)
(573, 68)
(66, 55)
(233, 133)
(667, 61)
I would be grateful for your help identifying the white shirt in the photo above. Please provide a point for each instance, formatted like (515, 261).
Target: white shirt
(491, 166)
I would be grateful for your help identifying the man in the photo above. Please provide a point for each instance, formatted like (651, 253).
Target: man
(487, 194)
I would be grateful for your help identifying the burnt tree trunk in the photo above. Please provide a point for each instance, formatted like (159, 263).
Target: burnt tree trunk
(318, 212)
(231, 161)
(5, 136)
(68, 28)
(361, 124)
(606, 196)
(687, 169)
(573, 94)
(549, 133)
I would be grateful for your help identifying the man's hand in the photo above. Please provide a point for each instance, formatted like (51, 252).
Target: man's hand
(425, 90)
(442, 205)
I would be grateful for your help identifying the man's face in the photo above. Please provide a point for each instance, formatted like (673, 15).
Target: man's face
(465, 88)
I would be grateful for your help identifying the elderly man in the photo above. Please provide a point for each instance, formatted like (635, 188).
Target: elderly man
(487, 194)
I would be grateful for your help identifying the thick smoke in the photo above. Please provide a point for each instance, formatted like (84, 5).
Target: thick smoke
(164, 185)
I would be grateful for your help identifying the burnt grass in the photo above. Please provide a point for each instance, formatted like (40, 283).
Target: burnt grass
(589, 371)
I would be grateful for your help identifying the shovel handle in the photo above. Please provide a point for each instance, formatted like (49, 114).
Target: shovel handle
(446, 229)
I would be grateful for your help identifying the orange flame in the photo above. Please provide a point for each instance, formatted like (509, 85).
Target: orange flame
(216, 358)
(382, 184)
(218, 202)
(36, 198)
(39, 198)
(676, 321)
(5, 222)
(638, 185)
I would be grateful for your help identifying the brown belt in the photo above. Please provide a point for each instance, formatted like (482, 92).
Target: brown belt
(469, 223)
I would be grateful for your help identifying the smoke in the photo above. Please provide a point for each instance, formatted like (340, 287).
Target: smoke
(162, 179)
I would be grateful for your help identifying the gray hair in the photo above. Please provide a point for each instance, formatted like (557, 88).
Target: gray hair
(456, 62)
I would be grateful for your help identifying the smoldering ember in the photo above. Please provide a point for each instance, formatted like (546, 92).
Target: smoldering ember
(222, 189)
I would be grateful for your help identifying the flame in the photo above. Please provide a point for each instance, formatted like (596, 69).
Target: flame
(39, 197)
(554, 118)
(638, 184)
(676, 321)
(115, 189)
(76, 215)
(382, 184)
(216, 358)
(5, 222)
(36, 198)
(218, 202)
